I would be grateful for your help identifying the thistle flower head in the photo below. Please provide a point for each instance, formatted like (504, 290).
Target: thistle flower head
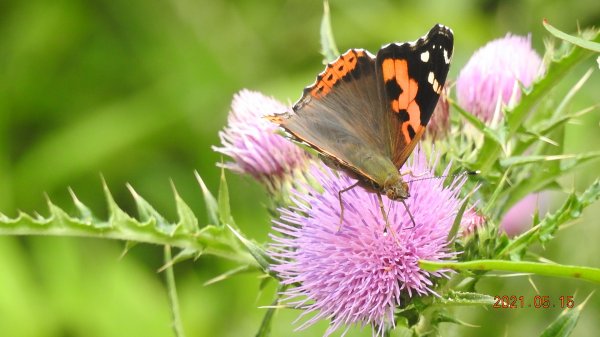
(471, 221)
(252, 142)
(356, 273)
(493, 73)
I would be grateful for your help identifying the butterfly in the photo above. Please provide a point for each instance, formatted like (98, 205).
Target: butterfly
(365, 114)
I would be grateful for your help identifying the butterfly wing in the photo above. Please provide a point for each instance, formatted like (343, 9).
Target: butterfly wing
(366, 113)
(335, 116)
(411, 77)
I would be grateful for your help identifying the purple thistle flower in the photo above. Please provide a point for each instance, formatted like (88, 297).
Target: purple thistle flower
(471, 221)
(355, 274)
(493, 73)
(252, 142)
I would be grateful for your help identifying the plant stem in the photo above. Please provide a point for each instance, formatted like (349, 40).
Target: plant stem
(545, 269)
(172, 291)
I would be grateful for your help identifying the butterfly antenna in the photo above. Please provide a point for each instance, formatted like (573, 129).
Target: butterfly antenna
(409, 214)
(470, 173)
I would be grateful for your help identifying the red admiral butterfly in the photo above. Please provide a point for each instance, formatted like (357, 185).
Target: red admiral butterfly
(365, 114)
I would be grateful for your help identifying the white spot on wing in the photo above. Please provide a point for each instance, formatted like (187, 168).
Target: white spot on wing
(434, 83)
(446, 56)
(425, 56)
(437, 87)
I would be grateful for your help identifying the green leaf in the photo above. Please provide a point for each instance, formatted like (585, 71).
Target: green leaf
(224, 206)
(458, 219)
(147, 213)
(460, 298)
(491, 202)
(550, 118)
(84, 212)
(255, 250)
(212, 208)
(578, 41)
(152, 228)
(328, 47)
(540, 130)
(116, 214)
(533, 179)
(478, 124)
(186, 216)
(570, 210)
(545, 230)
(524, 160)
(566, 322)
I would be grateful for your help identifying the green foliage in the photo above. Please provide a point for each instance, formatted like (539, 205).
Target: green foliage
(151, 227)
(106, 92)
(538, 268)
(583, 43)
(459, 298)
(565, 323)
(328, 47)
(544, 230)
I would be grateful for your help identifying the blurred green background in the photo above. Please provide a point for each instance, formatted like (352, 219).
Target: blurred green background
(137, 91)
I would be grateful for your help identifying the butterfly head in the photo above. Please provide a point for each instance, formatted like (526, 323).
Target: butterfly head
(395, 188)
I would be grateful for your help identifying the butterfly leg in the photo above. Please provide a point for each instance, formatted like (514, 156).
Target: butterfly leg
(409, 214)
(388, 228)
(341, 204)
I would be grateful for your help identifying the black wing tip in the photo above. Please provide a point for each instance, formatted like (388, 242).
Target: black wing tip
(442, 34)
(437, 32)
(440, 29)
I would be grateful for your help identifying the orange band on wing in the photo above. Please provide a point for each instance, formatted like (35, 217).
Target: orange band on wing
(334, 72)
(400, 84)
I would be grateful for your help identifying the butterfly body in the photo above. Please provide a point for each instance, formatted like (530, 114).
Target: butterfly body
(386, 179)
(365, 114)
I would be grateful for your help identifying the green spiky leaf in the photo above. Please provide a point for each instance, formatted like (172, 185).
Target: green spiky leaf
(575, 159)
(254, 249)
(212, 207)
(578, 41)
(328, 47)
(224, 207)
(461, 298)
(149, 227)
(545, 230)
(565, 323)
